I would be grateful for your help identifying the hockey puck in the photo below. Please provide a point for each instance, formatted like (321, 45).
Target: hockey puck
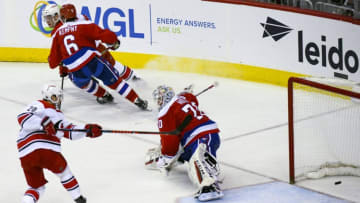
(337, 182)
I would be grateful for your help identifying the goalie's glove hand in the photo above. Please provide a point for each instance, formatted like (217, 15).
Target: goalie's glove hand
(93, 130)
(114, 46)
(48, 126)
(151, 158)
(164, 164)
(63, 71)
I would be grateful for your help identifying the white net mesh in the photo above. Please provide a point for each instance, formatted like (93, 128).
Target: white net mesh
(326, 129)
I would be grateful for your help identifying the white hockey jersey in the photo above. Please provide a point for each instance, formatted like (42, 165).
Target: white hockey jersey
(32, 136)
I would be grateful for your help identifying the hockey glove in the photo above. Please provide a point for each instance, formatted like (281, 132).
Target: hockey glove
(115, 46)
(48, 126)
(63, 71)
(164, 164)
(93, 130)
(151, 158)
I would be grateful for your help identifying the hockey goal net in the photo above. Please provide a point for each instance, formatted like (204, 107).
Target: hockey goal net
(324, 128)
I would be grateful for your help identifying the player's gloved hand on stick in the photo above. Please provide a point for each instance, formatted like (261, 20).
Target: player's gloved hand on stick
(63, 71)
(115, 46)
(94, 130)
(48, 126)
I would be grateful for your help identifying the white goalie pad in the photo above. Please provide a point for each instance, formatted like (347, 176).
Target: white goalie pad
(203, 169)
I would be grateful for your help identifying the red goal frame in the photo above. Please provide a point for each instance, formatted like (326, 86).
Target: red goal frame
(313, 84)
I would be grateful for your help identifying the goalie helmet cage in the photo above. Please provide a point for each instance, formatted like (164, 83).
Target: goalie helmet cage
(324, 126)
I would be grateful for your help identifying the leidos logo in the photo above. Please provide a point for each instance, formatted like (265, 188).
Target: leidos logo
(340, 59)
(275, 29)
(336, 56)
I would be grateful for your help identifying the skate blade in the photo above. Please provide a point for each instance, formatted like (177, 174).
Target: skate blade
(210, 196)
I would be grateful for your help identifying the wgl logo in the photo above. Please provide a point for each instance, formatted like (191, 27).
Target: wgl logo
(122, 23)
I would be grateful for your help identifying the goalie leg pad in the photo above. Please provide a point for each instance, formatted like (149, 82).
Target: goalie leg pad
(202, 167)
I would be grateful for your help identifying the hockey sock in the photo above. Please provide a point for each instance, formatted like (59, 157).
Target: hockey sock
(125, 72)
(70, 183)
(124, 90)
(32, 195)
(94, 88)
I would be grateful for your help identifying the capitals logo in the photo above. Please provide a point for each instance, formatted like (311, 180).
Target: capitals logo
(36, 19)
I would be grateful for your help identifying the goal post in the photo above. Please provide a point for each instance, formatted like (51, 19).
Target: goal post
(324, 128)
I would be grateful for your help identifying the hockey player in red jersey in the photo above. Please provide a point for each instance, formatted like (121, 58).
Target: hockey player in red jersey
(195, 142)
(39, 144)
(51, 14)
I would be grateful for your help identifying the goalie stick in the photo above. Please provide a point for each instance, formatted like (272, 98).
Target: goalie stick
(215, 84)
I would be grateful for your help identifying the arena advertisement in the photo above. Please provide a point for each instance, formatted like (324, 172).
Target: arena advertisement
(237, 34)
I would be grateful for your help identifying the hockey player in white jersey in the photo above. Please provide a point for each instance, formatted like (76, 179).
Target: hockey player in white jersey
(39, 144)
(195, 143)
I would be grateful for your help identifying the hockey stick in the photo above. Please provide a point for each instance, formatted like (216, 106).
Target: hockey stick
(215, 84)
(173, 132)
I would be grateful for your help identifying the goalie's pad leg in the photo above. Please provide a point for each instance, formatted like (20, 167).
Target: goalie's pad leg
(203, 168)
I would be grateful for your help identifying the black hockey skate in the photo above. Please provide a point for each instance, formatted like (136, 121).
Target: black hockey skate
(107, 98)
(209, 193)
(142, 104)
(80, 199)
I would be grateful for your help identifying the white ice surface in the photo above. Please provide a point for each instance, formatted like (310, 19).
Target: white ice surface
(252, 118)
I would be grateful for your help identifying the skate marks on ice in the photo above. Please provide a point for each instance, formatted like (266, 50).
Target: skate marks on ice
(269, 193)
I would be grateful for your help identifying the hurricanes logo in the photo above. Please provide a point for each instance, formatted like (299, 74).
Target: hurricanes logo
(275, 29)
(36, 20)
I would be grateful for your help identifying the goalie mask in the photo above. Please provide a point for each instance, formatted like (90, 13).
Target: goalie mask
(51, 15)
(162, 95)
(52, 94)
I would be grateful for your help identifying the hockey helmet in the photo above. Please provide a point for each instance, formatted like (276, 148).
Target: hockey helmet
(52, 94)
(68, 12)
(162, 95)
(51, 15)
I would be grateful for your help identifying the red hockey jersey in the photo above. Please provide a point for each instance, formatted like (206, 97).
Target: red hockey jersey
(73, 44)
(173, 114)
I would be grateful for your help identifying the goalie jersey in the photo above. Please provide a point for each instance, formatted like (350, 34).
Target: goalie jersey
(173, 114)
(33, 137)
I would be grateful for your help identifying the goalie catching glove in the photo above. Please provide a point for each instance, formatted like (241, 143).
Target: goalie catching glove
(93, 130)
(154, 160)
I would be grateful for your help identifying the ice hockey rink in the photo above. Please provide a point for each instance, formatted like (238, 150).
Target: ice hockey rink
(253, 154)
